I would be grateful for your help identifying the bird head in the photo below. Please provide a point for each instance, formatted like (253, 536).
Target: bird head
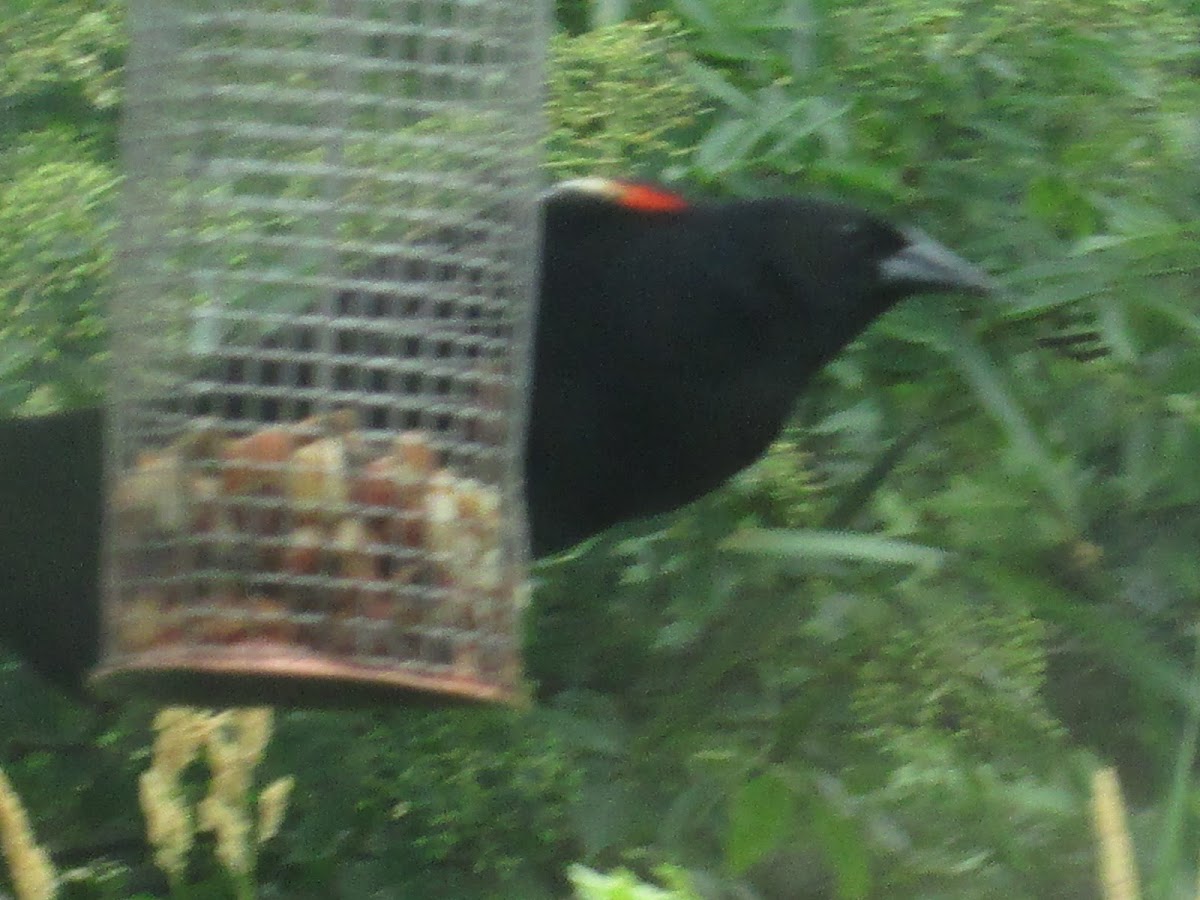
(856, 259)
(784, 281)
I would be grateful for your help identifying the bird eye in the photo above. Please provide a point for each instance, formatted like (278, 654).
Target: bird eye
(878, 238)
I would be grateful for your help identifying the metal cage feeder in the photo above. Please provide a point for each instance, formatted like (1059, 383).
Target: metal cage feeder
(321, 351)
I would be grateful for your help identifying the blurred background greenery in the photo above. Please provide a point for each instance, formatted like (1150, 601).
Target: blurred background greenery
(882, 663)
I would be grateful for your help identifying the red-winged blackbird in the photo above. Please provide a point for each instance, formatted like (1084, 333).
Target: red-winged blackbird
(672, 341)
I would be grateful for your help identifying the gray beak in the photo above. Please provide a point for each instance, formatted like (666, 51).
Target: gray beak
(925, 266)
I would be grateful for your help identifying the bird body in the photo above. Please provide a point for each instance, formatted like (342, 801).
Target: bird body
(671, 343)
(50, 515)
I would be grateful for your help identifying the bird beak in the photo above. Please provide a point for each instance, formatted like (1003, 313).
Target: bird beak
(925, 266)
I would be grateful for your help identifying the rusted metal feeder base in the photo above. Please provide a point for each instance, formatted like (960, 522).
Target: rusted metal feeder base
(279, 675)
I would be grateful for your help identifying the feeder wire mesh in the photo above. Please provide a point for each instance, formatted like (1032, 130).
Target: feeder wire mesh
(321, 347)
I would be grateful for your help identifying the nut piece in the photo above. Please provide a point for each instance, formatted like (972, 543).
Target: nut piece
(302, 553)
(464, 528)
(152, 496)
(376, 485)
(352, 547)
(142, 622)
(414, 453)
(318, 480)
(254, 464)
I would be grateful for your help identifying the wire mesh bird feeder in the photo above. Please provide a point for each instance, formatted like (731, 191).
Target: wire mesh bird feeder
(321, 350)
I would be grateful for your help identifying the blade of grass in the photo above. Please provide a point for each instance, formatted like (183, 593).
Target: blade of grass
(997, 396)
(1125, 640)
(1118, 873)
(811, 544)
(859, 493)
(1172, 834)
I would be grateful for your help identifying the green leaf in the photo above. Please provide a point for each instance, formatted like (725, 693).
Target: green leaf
(857, 494)
(1188, 321)
(1173, 834)
(807, 544)
(718, 87)
(762, 816)
(725, 146)
(843, 845)
(860, 178)
(724, 34)
(1060, 203)
(991, 385)
(810, 115)
(619, 885)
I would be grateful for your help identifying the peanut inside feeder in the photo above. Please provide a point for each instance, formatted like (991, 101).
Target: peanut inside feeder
(310, 544)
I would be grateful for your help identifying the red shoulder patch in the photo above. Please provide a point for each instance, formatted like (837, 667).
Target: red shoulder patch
(648, 198)
(632, 195)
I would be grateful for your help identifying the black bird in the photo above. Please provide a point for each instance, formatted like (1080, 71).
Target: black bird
(672, 341)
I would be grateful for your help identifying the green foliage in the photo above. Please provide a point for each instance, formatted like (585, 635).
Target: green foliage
(427, 802)
(1015, 835)
(1061, 140)
(623, 885)
(59, 58)
(955, 702)
(59, 69)
(784, 486)
(813, 686)
(881, 663)
(617, 100)
(56, 258)
(973, 676)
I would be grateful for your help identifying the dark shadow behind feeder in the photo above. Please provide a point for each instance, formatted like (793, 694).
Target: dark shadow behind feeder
(321, 352)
